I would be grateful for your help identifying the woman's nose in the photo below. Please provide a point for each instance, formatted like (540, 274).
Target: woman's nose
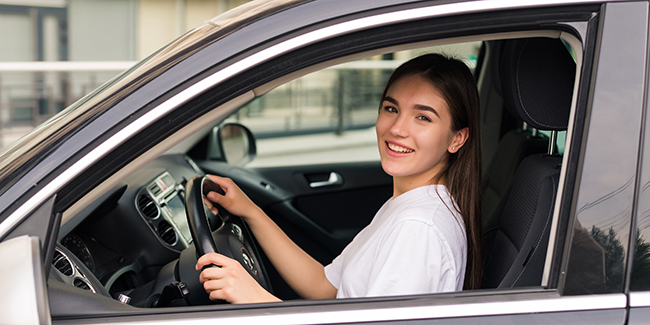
(400, 127)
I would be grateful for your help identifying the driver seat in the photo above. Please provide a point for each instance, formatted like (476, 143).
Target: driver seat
(537, 77)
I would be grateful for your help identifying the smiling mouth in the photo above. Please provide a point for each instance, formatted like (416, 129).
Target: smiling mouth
(398, 149)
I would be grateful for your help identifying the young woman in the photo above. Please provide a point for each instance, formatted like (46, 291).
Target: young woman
(424, 239)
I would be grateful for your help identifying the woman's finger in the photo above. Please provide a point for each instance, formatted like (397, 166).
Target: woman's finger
(214, 196)
(217, 198)
(210, 206)
(221, 294)
(218, 179)
(223, 182)
(213, 258)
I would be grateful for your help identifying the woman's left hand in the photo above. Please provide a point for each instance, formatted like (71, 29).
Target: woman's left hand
(230, 281)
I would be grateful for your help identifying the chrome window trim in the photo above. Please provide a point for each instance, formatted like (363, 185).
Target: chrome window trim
(640, 299)
(299, 41)
(263, 89)
(267, 316)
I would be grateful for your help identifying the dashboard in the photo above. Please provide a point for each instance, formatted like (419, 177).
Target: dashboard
(121, 242)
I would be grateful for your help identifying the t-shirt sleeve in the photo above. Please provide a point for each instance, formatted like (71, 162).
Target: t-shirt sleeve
(334, 269)
(413, 258)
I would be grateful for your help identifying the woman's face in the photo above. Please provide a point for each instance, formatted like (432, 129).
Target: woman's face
(414, 132)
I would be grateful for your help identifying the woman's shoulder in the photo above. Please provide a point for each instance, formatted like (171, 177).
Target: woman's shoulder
(431, 215)
(429, 206)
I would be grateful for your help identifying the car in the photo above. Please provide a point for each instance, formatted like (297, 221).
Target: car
(97, 203)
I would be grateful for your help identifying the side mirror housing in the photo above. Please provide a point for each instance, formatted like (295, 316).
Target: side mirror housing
(25, 300)
(233, 143)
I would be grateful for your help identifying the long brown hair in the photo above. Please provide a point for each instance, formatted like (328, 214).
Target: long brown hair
(462, 171)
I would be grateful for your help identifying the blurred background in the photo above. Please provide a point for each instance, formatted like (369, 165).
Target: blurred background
(53, 52)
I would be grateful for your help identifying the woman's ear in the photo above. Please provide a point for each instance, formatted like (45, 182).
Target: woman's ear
(459, 140)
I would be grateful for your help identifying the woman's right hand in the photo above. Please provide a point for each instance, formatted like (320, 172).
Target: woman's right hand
(234, 200)
(229, 281)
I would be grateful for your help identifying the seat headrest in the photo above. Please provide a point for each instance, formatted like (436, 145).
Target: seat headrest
(537, 78)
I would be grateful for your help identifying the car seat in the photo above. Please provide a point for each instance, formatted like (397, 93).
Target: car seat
(513, 147)
(537, 83)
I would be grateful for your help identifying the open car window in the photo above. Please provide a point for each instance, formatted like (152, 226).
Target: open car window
(328, 116)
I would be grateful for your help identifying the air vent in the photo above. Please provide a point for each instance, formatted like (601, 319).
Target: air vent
(155, 189)
(79, 283)
(62, 263)
(148, 207)
(167, 233)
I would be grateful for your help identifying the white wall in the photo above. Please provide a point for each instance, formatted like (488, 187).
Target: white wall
(161, 21)
(102, 30)
(15, 30)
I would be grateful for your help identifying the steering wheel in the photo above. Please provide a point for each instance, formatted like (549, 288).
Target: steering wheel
(232, 238)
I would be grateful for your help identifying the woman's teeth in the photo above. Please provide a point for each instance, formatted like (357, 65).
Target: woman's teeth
(399, 149)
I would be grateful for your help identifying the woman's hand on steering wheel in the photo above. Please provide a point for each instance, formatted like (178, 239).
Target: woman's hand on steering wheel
(229, 281)
(234, 200)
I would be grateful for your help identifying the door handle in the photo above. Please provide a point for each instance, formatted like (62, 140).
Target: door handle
(334, 179)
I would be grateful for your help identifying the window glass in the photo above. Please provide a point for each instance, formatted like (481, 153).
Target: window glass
(640, 280)
(606, 188)
(328, 116)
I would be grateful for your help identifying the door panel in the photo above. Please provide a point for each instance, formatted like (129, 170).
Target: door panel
(338, 211)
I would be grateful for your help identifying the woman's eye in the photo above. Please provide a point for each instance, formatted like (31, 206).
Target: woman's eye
(390, 109)
(424, 118)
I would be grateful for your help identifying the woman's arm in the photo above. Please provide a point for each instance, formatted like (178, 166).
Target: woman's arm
(304, 274)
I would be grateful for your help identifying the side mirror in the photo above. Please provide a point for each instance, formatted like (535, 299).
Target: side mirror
(25, 300)
(233, 143)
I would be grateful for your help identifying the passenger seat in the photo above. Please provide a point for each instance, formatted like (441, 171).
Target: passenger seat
(537, 83)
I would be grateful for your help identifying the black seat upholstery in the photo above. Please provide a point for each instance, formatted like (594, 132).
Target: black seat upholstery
(513, 147)
(537, 83)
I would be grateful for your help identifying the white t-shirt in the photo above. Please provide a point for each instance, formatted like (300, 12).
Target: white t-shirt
(413, 245)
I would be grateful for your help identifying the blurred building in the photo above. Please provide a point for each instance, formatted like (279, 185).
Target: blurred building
(52, 52)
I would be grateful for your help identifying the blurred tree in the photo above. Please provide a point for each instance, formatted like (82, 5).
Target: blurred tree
(641, 265)
(614, 258)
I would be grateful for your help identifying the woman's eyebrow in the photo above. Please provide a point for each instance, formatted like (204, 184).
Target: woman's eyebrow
(391, 99)
(427, 108)
(419, 107)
